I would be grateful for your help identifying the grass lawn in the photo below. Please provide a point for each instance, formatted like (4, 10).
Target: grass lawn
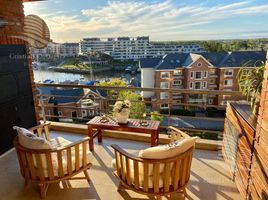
(75, 63)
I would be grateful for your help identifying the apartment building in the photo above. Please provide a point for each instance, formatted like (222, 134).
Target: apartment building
(195, 71)
(56, 50)
(133, 48)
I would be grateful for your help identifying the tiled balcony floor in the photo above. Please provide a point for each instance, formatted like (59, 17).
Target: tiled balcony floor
(210, 177)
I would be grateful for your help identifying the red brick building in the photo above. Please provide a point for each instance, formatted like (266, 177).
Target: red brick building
(205, 71)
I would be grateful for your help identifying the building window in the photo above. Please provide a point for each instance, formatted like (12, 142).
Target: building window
(204, 84)
(213, 71)
(197, 85)
(163, 106)
(228, 82)
(84, 113)
(179, 82)
(198, 75)
(59, 113)
(164, 75)
(210, 101)
(164, 85)
(245, 72)
(228, 72)
(164, 95)
(199, 64)
(191, 85)
(205, 75)
(178, 72)
(192, 75)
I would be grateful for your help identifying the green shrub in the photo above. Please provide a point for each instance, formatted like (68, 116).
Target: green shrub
(156, 116)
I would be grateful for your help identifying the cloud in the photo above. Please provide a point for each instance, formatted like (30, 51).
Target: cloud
(158, 19)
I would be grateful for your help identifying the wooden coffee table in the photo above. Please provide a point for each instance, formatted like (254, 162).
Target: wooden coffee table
(133, 125)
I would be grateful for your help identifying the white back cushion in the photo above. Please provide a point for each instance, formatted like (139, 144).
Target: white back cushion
(29, 140)
(170, 150)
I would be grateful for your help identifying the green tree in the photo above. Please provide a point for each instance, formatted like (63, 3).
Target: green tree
(213, 46)
(138, 107)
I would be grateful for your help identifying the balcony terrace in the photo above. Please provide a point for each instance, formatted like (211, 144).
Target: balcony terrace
(210, 177)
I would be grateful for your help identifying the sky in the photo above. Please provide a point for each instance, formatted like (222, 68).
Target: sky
(162, 20)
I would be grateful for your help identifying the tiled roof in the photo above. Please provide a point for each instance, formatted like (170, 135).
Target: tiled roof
(217, 59)
(236, 59)
(149, 62)
(172, 61)
(69, 92)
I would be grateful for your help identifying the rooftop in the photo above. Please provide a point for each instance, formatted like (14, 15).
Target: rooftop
(210, 177)
(217, 59)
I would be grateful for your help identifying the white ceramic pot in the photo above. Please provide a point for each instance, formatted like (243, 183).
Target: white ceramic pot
(122, 117)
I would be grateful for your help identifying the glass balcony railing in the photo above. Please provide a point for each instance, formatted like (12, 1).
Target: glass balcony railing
(73, 107)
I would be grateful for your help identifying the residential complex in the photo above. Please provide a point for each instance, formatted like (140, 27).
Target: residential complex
(56, 50)
(132, 48)
(195, 71)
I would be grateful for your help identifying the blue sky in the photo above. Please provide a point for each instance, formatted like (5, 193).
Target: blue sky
(163, 20)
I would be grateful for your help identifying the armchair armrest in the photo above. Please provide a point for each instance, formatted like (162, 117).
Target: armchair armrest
(183, 134)
(73, 144)
(40, 126)
(39, 129)
(125, 153)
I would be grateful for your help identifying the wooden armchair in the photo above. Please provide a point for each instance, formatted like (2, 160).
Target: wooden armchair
(176, 134)
(53, 165)
(153, 177)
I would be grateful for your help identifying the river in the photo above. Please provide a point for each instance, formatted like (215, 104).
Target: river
(42, 75)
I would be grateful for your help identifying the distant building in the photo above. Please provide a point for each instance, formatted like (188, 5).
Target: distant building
(56, 50)
(203, 71)
(68, 50)
(132, 48)
(78, 103)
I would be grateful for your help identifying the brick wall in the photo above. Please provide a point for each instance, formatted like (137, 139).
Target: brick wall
(234, 87)
(12, 12)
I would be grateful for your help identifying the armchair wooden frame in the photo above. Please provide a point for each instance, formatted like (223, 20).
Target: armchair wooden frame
(180, 174)
(32, 166)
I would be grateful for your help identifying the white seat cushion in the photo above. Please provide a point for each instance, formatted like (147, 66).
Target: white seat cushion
(31, 141)
(141, 174)
(61, 142)
(168, 151)
(159, 152)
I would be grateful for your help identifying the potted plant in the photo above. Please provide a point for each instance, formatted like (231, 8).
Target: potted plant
(121, 111)
(155, 115)
(250, 85)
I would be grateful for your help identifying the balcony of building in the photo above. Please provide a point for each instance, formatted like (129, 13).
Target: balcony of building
(178, 86)
(210, 178)
(178, 76)
(213, 75)
(213, 86)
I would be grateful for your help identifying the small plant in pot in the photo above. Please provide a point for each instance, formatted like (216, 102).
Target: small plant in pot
(250, 85)
(121, 111)
(155, 115)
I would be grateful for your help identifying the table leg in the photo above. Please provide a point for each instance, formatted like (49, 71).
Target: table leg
(91, 138)
(154, 138)
(99, 135)
(157, 137)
